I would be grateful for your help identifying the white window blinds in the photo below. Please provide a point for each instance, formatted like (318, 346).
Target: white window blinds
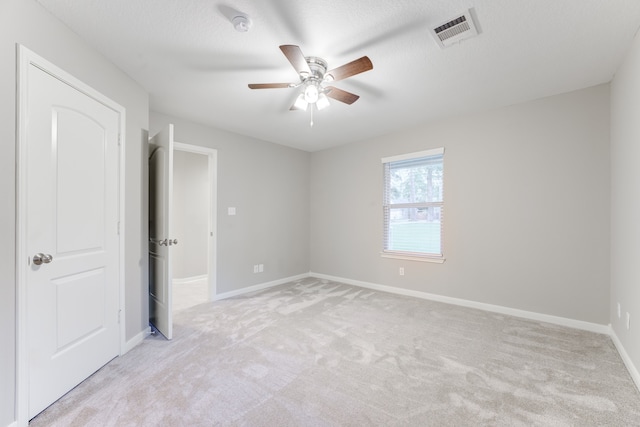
(413, 203)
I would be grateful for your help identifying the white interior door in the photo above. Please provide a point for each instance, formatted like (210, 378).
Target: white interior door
(160, 238)
(71, 236)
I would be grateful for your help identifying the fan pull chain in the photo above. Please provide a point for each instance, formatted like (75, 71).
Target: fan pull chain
(311, 123)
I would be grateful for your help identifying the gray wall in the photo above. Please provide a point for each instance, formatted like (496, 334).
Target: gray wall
(190, 219)
(268, 184)
(526, 217)
(25, 22)
(625, 201)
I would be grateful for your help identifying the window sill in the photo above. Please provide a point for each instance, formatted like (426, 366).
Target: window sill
(412, 257)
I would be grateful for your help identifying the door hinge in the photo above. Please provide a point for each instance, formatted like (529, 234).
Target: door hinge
(118, 228)
(119, 139)
(119, 313)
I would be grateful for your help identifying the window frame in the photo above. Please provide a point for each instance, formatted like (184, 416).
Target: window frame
(387, 207)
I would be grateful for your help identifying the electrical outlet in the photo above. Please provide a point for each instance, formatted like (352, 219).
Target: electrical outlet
(619, 312)
(260, 268)
(628, 321)
(402, 271)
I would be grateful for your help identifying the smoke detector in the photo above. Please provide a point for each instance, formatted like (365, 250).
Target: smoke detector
(455, 30)
(242, 23)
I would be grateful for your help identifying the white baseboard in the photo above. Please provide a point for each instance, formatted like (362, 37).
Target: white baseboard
(633, 371)
(258, 287)
(129, 345)
(562, 321)
(13, 424)
(190, 279)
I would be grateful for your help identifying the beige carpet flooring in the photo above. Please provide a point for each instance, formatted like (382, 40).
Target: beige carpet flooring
(314, 353)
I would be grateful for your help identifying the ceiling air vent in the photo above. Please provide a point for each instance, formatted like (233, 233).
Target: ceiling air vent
(455, 30)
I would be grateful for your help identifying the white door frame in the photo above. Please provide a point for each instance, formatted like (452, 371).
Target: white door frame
(27, 58)
(212, 155)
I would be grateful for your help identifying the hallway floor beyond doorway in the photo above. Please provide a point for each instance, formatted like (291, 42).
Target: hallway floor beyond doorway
(188, 294)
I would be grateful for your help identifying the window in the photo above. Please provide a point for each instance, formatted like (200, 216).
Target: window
(413, 205)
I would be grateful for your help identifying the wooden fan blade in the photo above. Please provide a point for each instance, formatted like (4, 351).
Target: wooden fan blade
(295, 56)
(351, 69)
(341, 95)
(268, 85)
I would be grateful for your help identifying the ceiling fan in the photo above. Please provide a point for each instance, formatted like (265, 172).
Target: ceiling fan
(313, 75)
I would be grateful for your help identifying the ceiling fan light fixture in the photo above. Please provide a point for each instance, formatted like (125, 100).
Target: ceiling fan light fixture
(301, 103)
(322, 102)
(311, 93)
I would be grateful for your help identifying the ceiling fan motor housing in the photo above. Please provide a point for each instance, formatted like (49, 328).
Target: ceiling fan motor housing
(313, 81)
(318, 67)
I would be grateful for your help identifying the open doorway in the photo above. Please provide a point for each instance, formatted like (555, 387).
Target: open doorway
(193, 224)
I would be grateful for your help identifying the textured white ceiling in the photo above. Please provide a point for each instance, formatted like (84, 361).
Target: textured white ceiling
(193, 63)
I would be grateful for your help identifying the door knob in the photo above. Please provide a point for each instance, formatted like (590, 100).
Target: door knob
(41, 258)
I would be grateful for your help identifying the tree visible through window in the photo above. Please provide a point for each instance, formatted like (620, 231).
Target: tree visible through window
(413, 203)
